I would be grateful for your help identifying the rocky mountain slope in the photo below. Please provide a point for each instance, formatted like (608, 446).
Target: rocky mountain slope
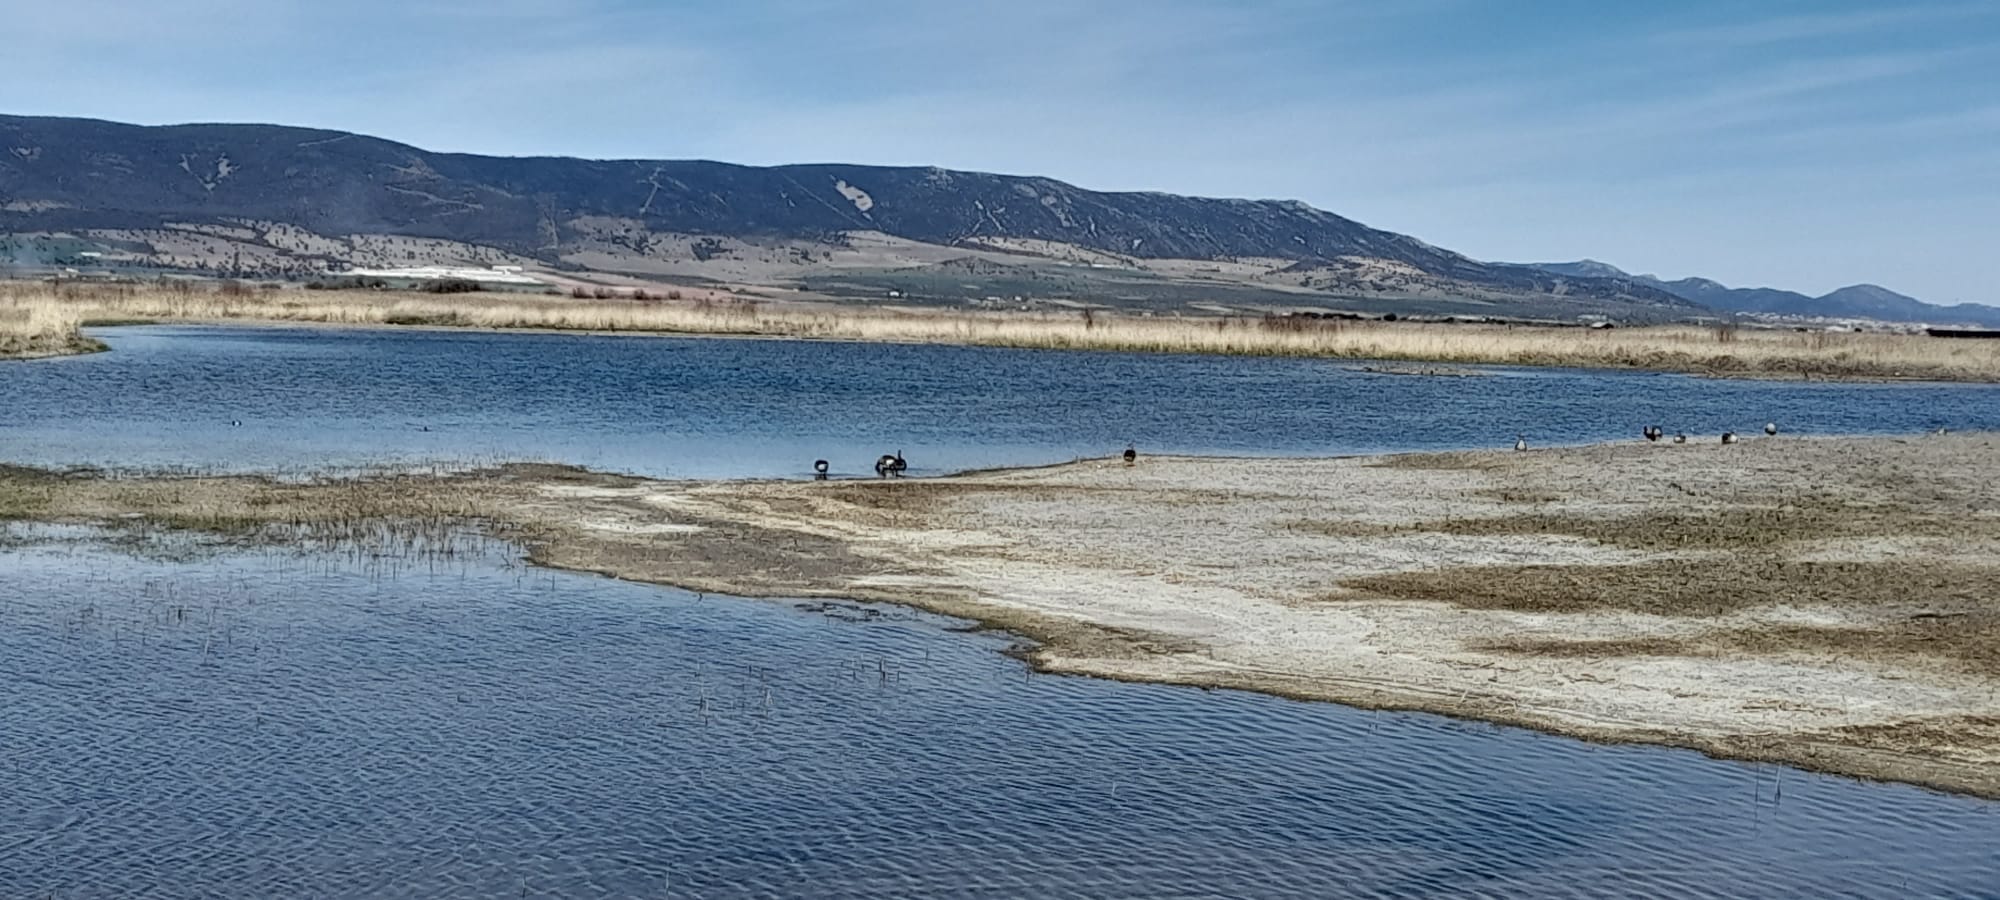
(268, 200)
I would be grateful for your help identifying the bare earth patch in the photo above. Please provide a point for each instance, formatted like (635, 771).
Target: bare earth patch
(1828, 603)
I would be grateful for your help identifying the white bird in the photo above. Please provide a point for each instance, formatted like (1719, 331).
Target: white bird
(1680, 438)
(1771, 429)
(1729, 437)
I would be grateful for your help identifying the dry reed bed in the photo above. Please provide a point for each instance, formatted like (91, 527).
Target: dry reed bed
(1720, 351)
(37, 329)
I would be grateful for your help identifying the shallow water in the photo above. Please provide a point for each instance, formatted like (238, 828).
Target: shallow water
(310, 398)
(265, 724)
(353, 724)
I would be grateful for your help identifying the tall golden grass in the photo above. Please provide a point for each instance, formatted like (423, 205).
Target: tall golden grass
(1721, 351)
(41, 328)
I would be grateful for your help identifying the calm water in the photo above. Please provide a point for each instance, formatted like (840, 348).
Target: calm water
(346, 724)
(266, 725)
(708, 408)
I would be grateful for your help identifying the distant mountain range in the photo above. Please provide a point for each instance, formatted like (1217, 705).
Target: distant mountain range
(265, 201)
(269, 201)
(1861, 301)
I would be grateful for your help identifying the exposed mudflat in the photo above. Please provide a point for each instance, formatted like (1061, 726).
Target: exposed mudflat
(1833, 603)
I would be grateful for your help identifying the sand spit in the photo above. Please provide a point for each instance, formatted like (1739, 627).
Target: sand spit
(1830, 603)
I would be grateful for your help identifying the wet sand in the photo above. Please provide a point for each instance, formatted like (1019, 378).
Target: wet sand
(1830, 603)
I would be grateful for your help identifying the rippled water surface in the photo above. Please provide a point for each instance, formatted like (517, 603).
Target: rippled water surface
(705, 407)
(353, 724)
(263, 725)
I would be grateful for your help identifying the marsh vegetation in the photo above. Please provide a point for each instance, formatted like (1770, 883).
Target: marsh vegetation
(1678, 348)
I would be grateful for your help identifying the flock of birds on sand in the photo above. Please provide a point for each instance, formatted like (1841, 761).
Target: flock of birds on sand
(1655, 434)
(886, 465)
(893, 464)
(890, 465)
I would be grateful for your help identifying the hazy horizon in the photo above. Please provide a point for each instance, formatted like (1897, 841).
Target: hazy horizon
(1803, 146)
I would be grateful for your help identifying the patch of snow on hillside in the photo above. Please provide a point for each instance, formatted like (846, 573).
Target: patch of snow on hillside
(857, 196)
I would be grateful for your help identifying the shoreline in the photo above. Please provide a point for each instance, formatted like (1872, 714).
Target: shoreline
(1322, 579)
(1458, 368)
(1401, 347)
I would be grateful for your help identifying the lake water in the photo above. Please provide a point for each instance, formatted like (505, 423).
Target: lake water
(263, 725)
(308, 398)
(358, 724)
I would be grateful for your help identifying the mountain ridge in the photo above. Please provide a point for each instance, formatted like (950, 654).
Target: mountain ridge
(1860, 301)
(287, 200)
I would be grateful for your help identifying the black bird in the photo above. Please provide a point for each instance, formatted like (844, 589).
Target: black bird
(819, 469)
(1652, 432)
(1131, 454)
(899, 465)
(1729, 437)
(1520, 442)
(891, 464)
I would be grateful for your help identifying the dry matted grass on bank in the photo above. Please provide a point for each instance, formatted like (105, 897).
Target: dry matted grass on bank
(1717, 351)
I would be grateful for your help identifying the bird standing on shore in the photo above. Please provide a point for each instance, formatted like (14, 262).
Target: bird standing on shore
(1770, 429)
(1131, 454)
(1680, 438)
(1520, 442)
(1729, 437)
(891, 464)
(1653, 432)
(819, 469)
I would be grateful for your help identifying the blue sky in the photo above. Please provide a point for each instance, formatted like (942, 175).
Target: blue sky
(1791, 144)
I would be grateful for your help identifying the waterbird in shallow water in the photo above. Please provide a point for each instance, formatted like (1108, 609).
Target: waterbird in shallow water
(819, 469)
(1652, 432)
(1131, 454)
(1771, 429)
(1729, 437)
(1520, 442)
